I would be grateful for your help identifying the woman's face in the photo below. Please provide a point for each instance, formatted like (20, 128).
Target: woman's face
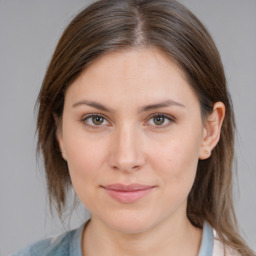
(132, 135)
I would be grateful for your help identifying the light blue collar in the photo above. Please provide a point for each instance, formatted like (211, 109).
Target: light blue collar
(75, 248)
(206, 247)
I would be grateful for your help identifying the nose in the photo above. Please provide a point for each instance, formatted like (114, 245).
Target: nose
(126, 150)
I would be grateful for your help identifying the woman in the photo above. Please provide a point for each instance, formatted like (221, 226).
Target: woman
(134, 114)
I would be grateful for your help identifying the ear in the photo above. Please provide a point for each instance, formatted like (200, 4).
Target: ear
(59, 135)
(211, 130)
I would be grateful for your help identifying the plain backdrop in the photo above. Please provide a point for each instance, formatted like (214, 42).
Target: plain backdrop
(29, 31)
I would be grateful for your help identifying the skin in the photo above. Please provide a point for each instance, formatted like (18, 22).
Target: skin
(128, 144)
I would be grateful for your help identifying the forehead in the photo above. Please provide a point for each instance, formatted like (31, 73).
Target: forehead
(135, 74)
(133, 62)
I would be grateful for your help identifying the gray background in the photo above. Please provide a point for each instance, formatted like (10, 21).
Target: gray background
(29, 30)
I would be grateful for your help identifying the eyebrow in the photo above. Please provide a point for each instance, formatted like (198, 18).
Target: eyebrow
(164, 104)
(93, 104)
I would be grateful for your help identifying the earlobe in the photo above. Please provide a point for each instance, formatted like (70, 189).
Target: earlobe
(211, 130)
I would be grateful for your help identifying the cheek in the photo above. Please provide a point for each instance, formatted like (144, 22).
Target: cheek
(84, 163)
(84, 155)
(176, 163)
(84, 158)
(82, 151)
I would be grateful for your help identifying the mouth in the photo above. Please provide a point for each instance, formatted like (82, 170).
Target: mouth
(128, 193)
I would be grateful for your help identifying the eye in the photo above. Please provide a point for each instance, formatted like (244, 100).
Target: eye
(94, 120)
(160, 120)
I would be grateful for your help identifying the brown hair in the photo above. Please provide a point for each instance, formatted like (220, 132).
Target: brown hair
(110, 25)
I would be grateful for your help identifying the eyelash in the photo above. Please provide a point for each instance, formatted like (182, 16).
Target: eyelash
(166, 117)
(170, 120)
(85, 122)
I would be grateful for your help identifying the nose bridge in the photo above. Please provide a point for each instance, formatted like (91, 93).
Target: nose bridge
(127, 153)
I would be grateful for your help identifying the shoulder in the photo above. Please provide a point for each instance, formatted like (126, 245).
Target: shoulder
(220, 249)
(64, 244)
(51, 246)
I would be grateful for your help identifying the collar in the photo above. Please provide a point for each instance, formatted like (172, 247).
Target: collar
(206, 247)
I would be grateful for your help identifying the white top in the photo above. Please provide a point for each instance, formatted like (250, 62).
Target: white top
(219, 249)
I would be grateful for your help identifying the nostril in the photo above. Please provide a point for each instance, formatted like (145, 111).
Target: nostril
(126, 166)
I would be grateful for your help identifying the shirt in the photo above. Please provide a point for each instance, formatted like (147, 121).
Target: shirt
(69, 244)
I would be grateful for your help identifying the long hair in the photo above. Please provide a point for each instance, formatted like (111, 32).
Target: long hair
(110, 25)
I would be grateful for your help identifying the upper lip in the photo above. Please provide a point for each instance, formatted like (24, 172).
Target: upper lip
(127, 188)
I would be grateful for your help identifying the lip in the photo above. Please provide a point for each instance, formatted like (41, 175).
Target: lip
(128, 193)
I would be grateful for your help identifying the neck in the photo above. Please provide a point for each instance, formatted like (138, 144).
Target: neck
(177, 237)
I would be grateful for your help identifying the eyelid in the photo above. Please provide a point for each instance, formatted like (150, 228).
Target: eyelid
(85, 117)
(170, 118)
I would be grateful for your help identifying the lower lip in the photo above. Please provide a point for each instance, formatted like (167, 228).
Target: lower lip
(128, 196)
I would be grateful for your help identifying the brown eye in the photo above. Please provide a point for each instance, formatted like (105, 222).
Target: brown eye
(97, 120)
(159, 120)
